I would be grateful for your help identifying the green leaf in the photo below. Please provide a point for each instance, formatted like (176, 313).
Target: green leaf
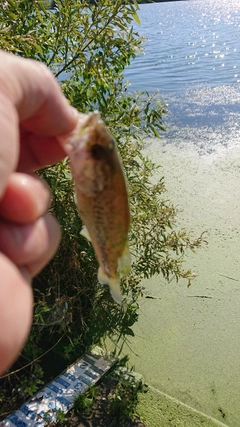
(156, 132)
(136, 18)
(136, 4)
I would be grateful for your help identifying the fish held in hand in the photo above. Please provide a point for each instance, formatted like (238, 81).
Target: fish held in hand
(101, 197)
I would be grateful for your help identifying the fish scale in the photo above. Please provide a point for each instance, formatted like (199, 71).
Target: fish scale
(101, 197)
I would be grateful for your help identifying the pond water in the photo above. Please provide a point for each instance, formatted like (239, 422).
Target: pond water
(192, 56)
(187, 340)
(188, 44)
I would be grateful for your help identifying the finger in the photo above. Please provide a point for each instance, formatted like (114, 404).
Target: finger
(9, 144)
(29, 94)
(15, 312)
(39, 101)
(32, 245)
(38, 151)
(26, 198)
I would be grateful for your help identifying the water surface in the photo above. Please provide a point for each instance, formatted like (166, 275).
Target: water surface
(188, 44)
(192, 56)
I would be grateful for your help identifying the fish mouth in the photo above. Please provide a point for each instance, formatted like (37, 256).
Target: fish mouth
(88, 122)
(90, 134)
(79, 137)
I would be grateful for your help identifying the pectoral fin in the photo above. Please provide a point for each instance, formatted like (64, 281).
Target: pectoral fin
(113, 284)
(84, 232)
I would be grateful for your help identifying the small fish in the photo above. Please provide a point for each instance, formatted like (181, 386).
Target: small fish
(101, 197)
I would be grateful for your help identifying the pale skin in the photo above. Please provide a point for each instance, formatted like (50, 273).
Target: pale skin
(33, 112)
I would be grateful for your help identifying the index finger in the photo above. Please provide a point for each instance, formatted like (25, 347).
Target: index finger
(29, 95)
(31, 87)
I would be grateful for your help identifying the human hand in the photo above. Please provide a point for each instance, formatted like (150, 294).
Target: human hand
(33, 111)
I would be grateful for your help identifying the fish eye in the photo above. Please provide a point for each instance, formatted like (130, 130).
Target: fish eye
(97, 151)
(111, 144)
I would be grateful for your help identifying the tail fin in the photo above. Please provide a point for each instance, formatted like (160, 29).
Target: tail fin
(113, 284)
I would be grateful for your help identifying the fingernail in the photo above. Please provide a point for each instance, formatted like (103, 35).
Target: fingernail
(20, 233)
(44, 199)
(47, 200)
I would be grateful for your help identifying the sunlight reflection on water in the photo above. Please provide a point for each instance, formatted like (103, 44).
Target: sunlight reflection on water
(188, 43)
(192, 55)
(207, 118)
